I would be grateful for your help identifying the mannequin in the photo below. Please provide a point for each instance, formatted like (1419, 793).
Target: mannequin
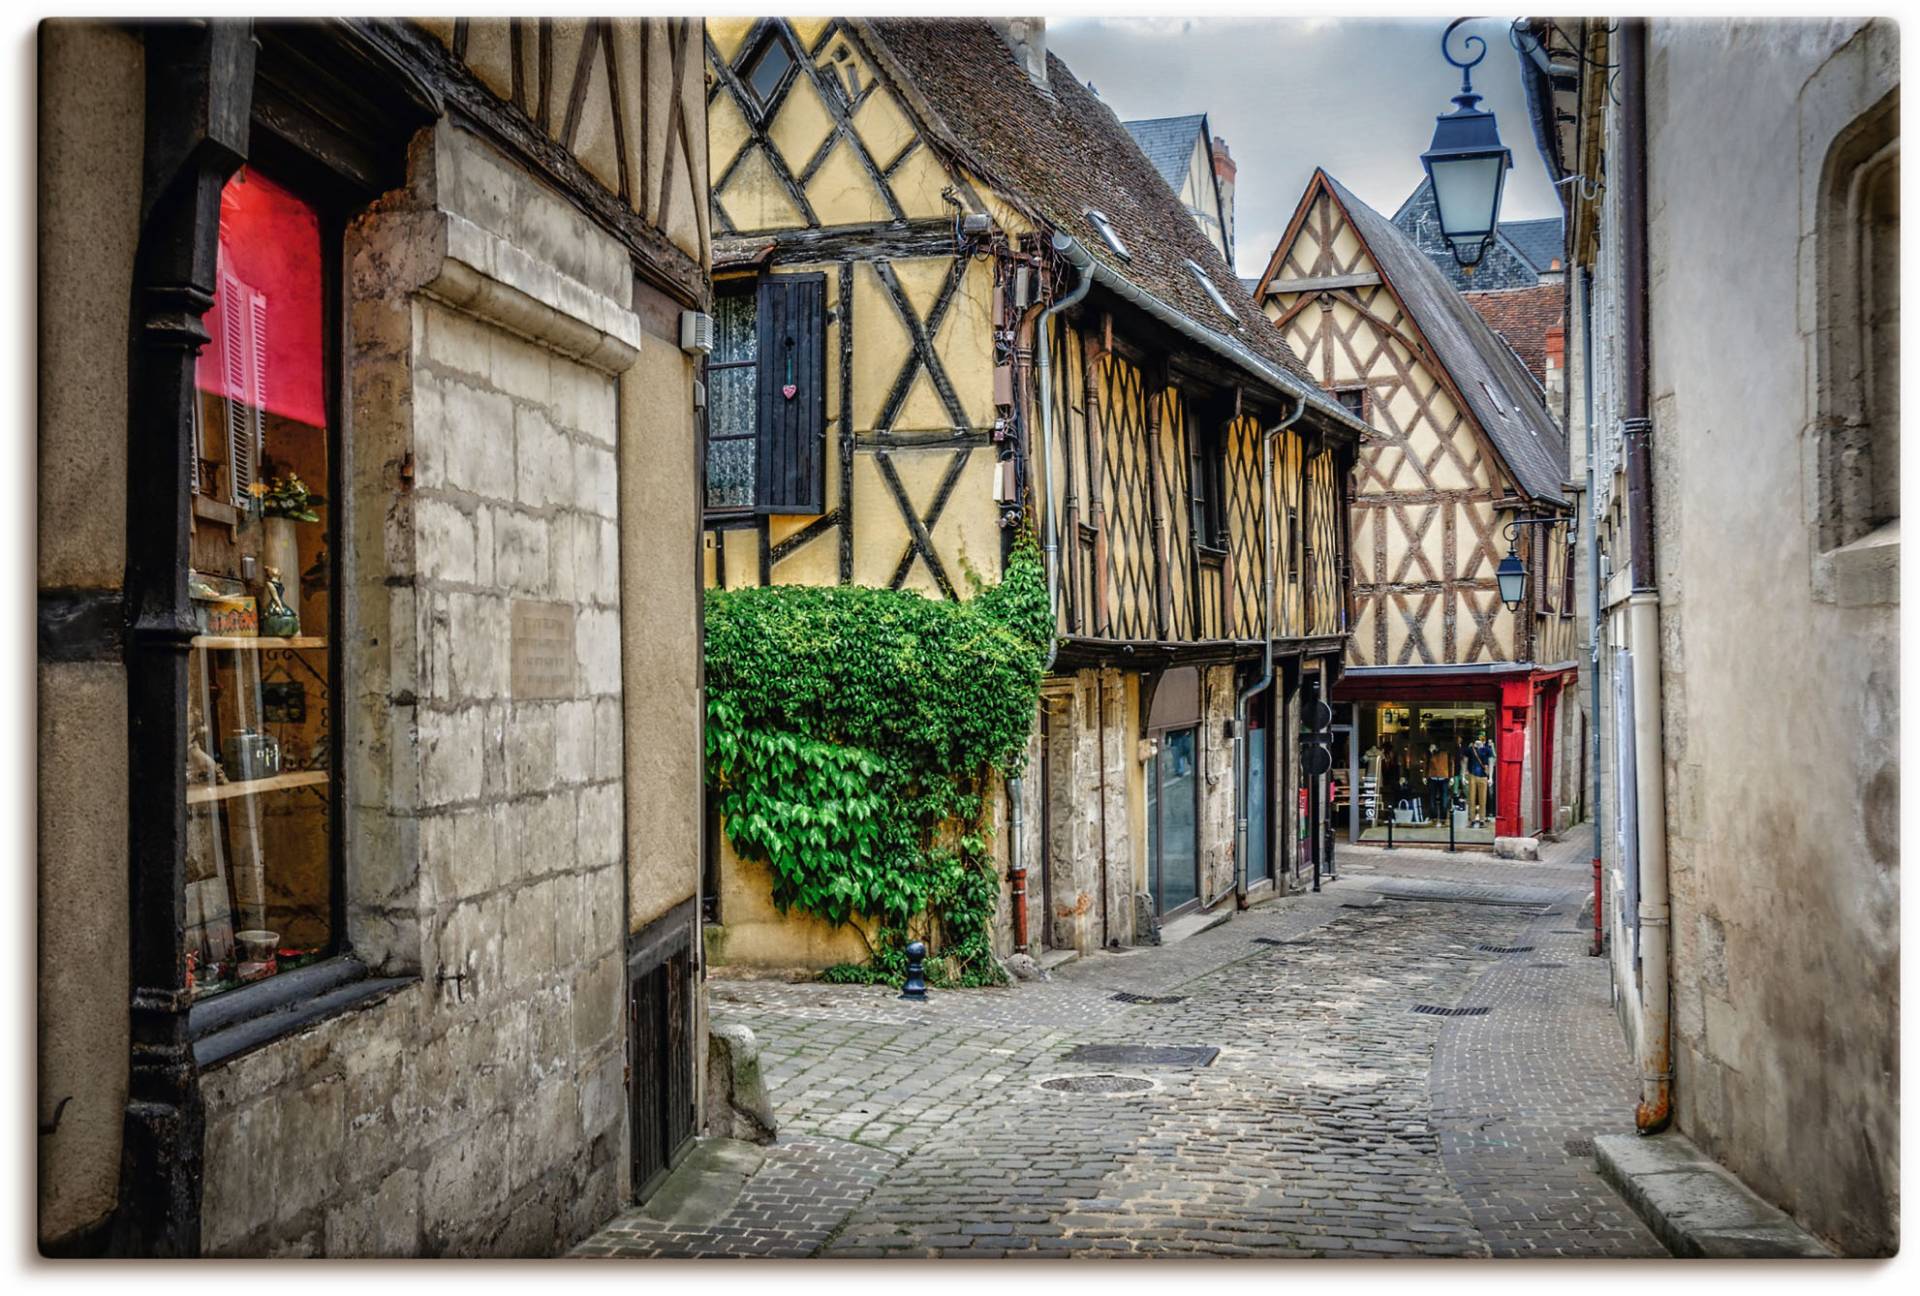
(1439, 770)
(1477, 759)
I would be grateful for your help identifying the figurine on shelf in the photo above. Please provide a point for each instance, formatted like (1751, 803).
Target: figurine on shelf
(201, 766)
(277, 620)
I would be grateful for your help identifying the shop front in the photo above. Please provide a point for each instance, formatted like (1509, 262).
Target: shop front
(1444, 754)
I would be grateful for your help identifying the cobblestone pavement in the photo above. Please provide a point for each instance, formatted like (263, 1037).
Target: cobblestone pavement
(1334, 1120)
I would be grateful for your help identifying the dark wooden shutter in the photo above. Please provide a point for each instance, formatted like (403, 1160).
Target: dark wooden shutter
(792, 458)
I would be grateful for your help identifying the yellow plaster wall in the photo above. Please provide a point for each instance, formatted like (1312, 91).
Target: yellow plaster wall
(754, 933)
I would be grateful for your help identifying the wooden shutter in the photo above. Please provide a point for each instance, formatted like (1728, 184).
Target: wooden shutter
(243, 327)
(791, 456)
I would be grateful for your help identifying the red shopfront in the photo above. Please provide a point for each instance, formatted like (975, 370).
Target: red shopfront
(1522, 706)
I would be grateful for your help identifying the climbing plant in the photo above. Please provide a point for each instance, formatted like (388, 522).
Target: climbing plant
(852, 736)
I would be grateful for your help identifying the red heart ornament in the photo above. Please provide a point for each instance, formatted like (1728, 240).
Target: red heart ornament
(788, 391)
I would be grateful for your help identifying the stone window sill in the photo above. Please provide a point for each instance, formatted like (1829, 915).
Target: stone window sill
(1863, 573)
(246, 1019)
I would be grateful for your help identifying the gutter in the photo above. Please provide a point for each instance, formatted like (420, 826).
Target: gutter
(1655, 1044)
(1241, 756)
(1043, 388)
(1222, 346)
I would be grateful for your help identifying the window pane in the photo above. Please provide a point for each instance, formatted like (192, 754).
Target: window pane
(1179, 840)
(730, 474)
(259, 709)
(734, 319)
(770, 65)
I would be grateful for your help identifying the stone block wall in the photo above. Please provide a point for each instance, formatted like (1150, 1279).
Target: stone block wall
(479, 1110)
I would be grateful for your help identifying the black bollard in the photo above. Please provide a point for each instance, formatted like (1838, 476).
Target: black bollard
(1449, 819)
(1390, 818)
(916, 986)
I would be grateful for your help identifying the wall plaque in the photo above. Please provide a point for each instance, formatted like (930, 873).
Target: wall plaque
(543, 661)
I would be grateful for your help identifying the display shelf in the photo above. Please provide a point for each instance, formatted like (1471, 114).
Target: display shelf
(251, 643)
(252, 787)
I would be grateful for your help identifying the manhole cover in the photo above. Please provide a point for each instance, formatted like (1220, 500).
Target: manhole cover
(1194, 1055)
(1101, 1083)
(1435, 1010)
(1578, 1147)
(1129, 997)
(1504, 949)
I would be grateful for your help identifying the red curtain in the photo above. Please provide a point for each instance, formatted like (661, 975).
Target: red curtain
(265, 320)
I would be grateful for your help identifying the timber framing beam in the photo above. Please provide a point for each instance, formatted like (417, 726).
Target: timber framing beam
(1323, 283)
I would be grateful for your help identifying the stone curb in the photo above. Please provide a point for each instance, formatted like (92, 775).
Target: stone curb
(1695, 1206)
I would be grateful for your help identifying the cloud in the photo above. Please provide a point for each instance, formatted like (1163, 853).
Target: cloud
(1357, 96)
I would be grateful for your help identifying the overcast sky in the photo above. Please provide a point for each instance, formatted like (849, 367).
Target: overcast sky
(1357, 96)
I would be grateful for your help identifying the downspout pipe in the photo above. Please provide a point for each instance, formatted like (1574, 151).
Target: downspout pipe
(1241, 754)
(1043, 390)
(1078, 258)
(1593, 611)
(1643, 605)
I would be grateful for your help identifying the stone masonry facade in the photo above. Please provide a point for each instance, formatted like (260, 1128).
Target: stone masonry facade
(478, 1110)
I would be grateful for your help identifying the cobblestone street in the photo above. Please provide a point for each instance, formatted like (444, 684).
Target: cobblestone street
(1412, 1062)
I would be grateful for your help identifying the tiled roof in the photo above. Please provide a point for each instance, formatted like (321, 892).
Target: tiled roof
(1502, 395)
(1539, 241)
(1168, 144)
(1522, 317)
(1062, 152)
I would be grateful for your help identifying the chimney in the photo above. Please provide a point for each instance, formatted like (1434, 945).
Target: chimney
(1027, 38)
(1223, 172)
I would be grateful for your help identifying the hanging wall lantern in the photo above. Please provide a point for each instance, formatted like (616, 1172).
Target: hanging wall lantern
(1467, 164)
(1512, 575)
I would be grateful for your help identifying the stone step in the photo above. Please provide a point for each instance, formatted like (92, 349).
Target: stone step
(1695, 1205)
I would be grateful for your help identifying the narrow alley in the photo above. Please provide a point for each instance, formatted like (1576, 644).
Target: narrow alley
(1412, 1062)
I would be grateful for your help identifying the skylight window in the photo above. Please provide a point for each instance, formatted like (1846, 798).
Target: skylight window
(1218, 298)
(1108, 234)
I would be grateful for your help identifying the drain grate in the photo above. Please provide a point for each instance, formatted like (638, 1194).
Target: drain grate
(1267, 940)
(1545, 964)
(1129, 997)
(1098, 1084)
(1435, 1010)
(1504, 949)
(1578, 1147)
(1195, 1055)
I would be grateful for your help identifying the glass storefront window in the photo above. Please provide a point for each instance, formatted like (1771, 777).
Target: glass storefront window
(1416, 763)
(260, 720)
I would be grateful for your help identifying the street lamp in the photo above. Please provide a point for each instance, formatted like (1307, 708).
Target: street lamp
(1511, 574)
(1466, 164)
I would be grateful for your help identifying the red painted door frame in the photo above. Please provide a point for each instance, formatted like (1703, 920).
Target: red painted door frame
(1516, 703)
(1549, 708)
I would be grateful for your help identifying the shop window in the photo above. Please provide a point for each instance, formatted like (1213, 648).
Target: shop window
(262, 861)
(766, 397)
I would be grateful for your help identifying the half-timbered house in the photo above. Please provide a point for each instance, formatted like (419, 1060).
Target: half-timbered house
(370, 750)
(1463, 446)
(954, 302)
(1198, 168)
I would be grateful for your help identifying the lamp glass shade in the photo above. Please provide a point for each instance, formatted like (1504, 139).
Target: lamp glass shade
(1467, 166)
(1512, 575)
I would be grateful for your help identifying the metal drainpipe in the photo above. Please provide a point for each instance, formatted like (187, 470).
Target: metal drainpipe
(1643, 605)
(1240, 754)
(1043, 389)
(1593, 607)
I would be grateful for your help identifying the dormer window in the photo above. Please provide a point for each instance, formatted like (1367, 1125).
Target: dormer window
(1108, 234)
(1219, 299)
